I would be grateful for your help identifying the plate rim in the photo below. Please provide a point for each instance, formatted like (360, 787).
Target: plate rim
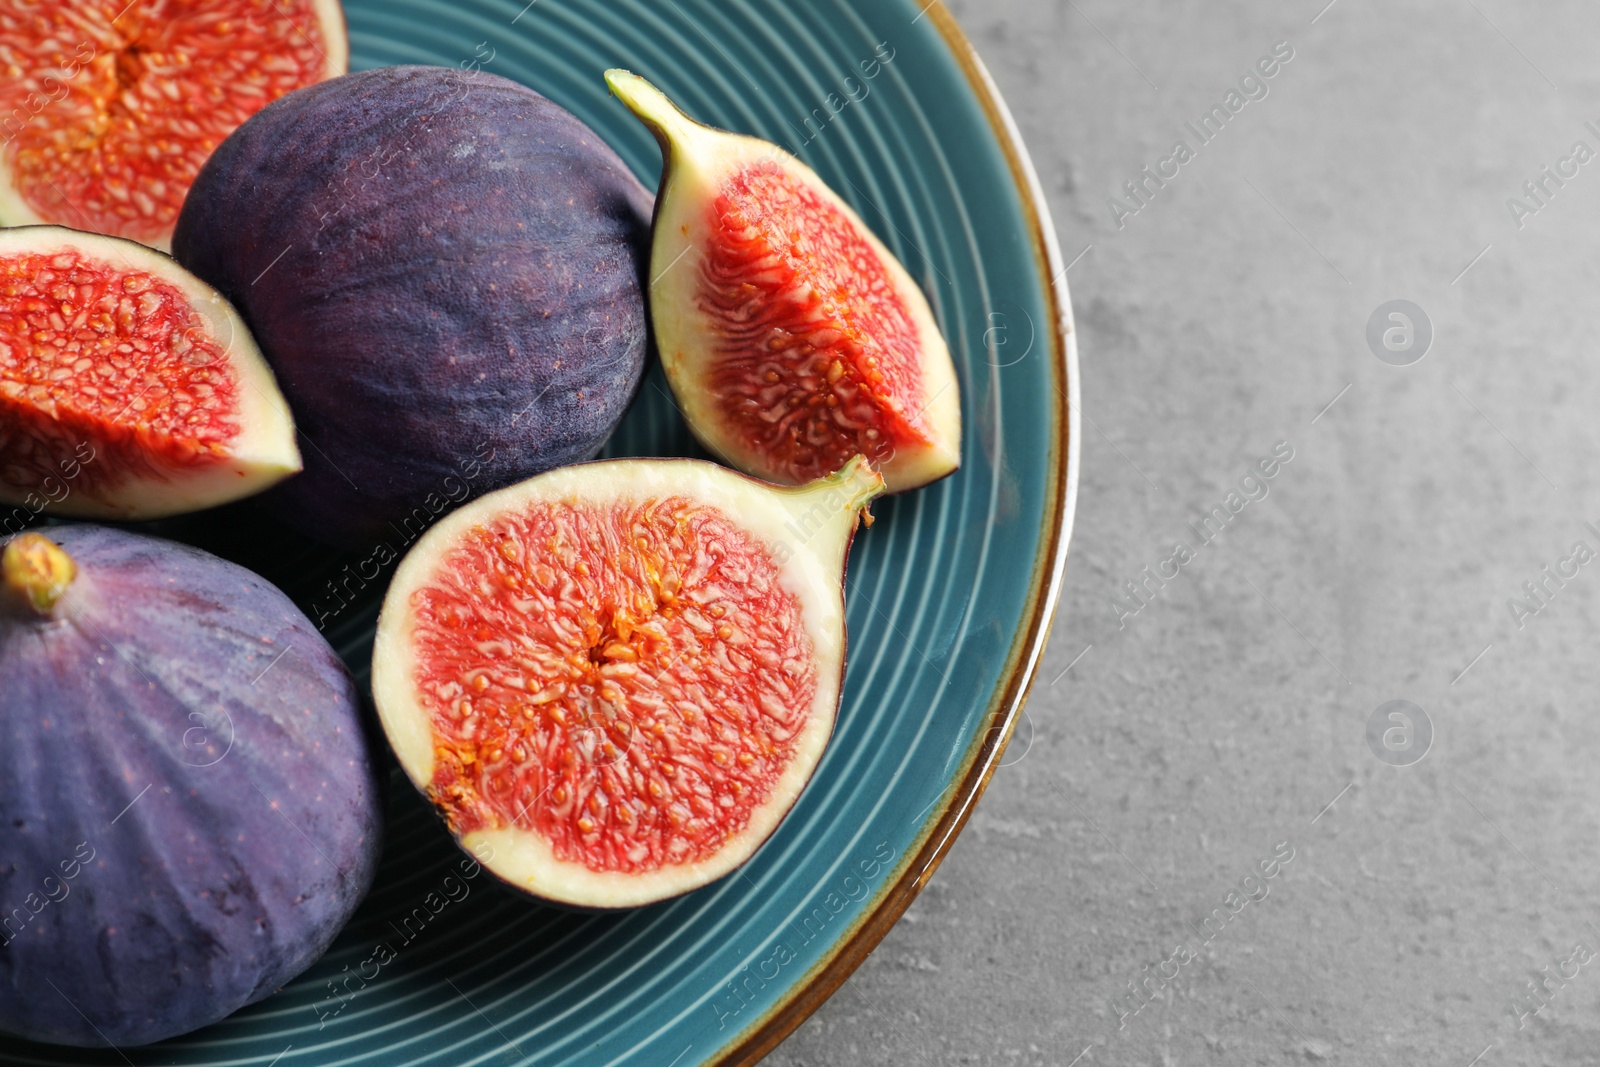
(940, 830)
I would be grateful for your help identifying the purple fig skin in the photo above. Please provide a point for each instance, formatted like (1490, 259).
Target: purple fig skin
(459, 302)
(188, 807)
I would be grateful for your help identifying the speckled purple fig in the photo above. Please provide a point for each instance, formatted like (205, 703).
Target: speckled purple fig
(188, 809)
(444, 270)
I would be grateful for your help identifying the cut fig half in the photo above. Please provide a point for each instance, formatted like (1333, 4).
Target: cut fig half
(613, 680)
(129, 389)
(792, 338)
(108, 108)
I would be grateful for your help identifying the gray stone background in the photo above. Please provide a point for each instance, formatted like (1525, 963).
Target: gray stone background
(1230, 713)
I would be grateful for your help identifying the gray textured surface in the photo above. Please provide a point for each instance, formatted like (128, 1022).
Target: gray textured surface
(1228, 713)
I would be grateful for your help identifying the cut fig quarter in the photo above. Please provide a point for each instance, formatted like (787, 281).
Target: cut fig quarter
(108, 108)
(129, 389)
(613, 680)
(791, 336)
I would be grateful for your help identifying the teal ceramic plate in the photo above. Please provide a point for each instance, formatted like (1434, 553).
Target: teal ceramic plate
(949, 596)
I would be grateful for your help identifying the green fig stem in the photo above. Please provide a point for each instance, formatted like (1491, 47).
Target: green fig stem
(35, 572)
(860, 484)
(660, 115)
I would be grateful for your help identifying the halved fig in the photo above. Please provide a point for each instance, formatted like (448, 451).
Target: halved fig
(613, 680)
(108, 108)
(129, 389)
(792, 338)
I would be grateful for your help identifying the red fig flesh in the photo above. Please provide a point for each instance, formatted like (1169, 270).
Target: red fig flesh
(108, 110)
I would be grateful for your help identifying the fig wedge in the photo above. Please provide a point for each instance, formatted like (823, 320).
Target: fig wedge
(129, 389)
(792, 338)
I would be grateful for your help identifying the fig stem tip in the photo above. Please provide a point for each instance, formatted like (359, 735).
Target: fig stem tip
(660, 115)
(36, 572)
(863, 483)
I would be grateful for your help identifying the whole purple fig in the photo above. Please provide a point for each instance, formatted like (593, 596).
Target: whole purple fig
(188, 808)
(444, 270)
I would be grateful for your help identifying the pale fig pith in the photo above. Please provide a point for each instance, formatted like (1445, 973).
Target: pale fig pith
(614, 680)
(792, 337)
